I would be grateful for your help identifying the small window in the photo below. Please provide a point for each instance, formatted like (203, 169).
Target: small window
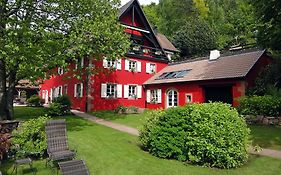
(176, 74)
(65, 89)
(60, 71)
(79, 90)
(188, 98)
(154, 96)
(152, 68)
(111, 91)
(132, 91)
(59, 91)
(132, 65)
(111, 64)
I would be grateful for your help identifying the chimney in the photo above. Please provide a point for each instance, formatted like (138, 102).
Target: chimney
(214, 55)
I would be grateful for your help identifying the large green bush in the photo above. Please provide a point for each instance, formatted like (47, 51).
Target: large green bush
(34, 100)
(211, 134)
(260, 105)
(30, 138)
(60, 106)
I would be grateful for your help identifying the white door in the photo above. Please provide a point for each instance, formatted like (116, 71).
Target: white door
(172, 98)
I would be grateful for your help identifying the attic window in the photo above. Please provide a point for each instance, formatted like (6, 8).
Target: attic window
(170, 75)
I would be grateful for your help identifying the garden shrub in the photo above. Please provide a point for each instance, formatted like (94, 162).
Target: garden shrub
(211, 134)
(34, 100)
(260, 105)
(60, 106)
(120, 109)
(30, 138)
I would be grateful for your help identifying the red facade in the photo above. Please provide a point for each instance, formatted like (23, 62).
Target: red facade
(125, 84)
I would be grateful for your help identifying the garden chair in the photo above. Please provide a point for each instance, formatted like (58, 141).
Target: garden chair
(57, 146)
(73, 167)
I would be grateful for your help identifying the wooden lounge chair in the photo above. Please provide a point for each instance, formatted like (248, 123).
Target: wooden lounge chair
(73, 167)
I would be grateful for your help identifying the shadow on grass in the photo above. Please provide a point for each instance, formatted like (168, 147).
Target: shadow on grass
(266, 136)
(25, 113)
(109, 115)
(74, 123)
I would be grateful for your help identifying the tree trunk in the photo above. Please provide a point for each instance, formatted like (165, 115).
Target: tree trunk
(89, 82)
(10, 94)
(3, 94)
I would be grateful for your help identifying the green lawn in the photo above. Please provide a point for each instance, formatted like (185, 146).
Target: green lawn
(110, 152)
(132, 120)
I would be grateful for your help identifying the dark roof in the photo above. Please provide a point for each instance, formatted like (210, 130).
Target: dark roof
(232, 66)
(125, 7)
(165, 43)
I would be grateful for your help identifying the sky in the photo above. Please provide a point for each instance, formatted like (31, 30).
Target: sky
(142, 2)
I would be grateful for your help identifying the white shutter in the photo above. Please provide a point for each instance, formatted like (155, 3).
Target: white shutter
(147, 68)
(159, 94)
(119, 63)
(103, 90)
(139, 91)
(81, 90)
(138, 66)
(104, 62)
(126, 91)
(75, 90)
(51, 95)
(126, 64)
(119, 90)
(148, 96)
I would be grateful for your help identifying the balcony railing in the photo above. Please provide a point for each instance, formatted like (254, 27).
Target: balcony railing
(145, 51)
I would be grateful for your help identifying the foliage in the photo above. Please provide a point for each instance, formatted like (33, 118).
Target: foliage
(195, 38)
(4, 144)
(152, 14)
(260, 105)
(120, 109)
(34, 100)
(199, 134)
(269, 30)
(30, 138)
(36, 36)
(65, 103)
(56, 109)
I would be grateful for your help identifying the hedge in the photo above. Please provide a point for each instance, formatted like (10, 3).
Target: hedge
(212, 135)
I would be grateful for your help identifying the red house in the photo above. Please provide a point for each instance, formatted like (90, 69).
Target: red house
(145, 79)
(149, 54)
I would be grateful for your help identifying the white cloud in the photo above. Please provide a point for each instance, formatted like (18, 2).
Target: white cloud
(142, 2)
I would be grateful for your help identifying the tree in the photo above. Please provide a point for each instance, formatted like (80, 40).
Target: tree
(151, 12)
(269, 30)
(36, 36)
(195, 38)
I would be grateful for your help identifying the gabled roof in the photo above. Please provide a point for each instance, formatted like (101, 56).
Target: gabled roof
(165, 43)
(161, 40)
(233, 66)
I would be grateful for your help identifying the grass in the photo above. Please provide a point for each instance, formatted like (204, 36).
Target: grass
(107, 151)
(24, 113)
(132, 120)
(266, 136)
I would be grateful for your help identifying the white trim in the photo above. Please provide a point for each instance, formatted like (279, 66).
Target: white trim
(138, 66)
(191, 98)
(126, 91)
(118, 64)
(119, 90)
(148, 96)
(139, 91)
(159, 95)
(135, 28)
(75, 89)
(103, 90)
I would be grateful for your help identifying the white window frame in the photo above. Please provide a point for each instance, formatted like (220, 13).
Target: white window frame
(149, 68)
(154, 96)
(76, 90)
(173, 100)
(60, 70)
(111, 90)
(188, 98)
(132, 91)
(59, 89)
(132, 65)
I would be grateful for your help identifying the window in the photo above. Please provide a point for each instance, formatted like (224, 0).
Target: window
(132, 65)
(59, 89)
(60, 71)
(111, 90)
(79, 63)
(150, 68)
(132, 91)
(65, 89)
(176, 74)
(172, 98)
(112, 64)
(78, 90)
(188, 98)
(154, 96)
